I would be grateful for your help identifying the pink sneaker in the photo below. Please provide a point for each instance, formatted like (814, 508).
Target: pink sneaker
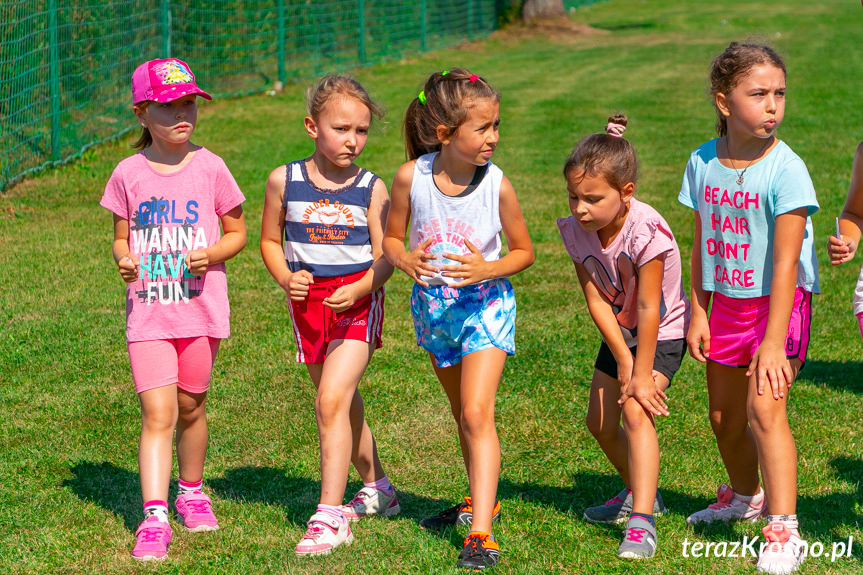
(153, 539)
(195, 512)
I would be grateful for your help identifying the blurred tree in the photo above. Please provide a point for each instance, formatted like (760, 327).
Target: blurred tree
(542, 9)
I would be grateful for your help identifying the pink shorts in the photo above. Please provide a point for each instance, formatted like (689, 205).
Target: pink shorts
(860, 322)
(737, 327)
(188, 362)
(316, 325)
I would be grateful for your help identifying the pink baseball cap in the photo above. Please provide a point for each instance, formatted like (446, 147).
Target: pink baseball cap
(164, 80)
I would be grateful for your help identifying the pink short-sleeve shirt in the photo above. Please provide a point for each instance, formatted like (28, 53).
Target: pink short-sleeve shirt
(169, 216)
(614, 270)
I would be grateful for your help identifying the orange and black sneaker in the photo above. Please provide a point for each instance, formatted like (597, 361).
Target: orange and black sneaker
(461, 514)
(480, 551)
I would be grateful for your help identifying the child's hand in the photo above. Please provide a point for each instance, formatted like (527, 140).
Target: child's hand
(197, 262)
(128, 268)
(472, 269)
(840, 250)
(698, 339)
(342, 299)
(415, 264)
(770, 366)
(645, 391)
(296, 285)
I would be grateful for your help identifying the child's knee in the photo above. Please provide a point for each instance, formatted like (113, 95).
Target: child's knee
(477, 417)
(766, 415)
(329, 406)
(634, 417)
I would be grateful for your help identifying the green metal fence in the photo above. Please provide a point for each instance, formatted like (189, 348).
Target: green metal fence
(65, 65)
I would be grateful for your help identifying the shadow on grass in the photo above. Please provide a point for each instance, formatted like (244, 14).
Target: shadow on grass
(114, 488)
(297, 495)
(840, 375)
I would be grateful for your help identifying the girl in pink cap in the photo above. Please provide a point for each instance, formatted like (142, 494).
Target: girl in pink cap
(168, 201)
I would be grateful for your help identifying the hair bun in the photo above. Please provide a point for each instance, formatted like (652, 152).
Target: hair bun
(616, 125)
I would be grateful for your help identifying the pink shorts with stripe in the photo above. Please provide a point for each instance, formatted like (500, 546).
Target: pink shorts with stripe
(316, 325)
(187, 361)
(737, 327)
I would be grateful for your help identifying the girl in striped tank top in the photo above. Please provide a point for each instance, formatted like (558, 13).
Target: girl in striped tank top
(321, 241)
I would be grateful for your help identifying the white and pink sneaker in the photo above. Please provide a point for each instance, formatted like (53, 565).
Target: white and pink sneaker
(784, 550)
(729, 508)
(323, 534)
(371, 501)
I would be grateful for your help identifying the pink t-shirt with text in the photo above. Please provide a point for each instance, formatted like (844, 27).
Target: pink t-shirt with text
(169, 216)
(614, 270)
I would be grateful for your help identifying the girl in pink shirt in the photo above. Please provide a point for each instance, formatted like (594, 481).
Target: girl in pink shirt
(168, 202)
(628, 264)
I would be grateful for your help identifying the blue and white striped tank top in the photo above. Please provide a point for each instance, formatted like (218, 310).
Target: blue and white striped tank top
(326, 231)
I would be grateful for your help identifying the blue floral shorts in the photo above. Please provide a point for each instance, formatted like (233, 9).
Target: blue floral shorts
(453, 322)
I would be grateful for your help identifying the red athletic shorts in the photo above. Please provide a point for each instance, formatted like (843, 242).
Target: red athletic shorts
(316, 325)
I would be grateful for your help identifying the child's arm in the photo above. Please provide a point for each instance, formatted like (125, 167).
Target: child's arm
(127, 262)
(698, 337)
(296, 285)
(346, 296)
(603, 316)
(413, 263)
(842, 249)
(769, 363)
(232, 241)
(642, 386)
(474, 268)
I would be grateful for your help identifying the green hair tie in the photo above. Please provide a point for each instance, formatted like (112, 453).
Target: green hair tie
(422, 97)
(444, 73)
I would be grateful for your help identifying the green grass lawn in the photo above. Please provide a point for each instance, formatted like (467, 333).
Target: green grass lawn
(69, 498)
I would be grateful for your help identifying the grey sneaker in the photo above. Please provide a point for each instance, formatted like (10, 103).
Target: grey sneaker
(618, 508)
(639, 540)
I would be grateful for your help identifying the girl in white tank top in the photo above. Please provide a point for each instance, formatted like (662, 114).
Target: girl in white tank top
(457, 203)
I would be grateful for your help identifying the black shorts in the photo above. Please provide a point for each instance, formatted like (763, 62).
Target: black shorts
(669, 354)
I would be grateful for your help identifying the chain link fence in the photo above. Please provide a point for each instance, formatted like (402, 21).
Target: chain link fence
(65, 65)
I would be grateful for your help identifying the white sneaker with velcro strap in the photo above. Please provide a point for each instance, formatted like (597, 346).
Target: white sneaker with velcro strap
(323, 534)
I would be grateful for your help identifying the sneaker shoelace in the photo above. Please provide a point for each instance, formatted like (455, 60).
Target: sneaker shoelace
(613, 501)
(635, 534)
(476, 543)
(315, 530)
(359, 498)
(198, 506)
(150, 534)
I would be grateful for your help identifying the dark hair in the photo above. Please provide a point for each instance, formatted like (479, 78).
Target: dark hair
(611, 157)
(333, 85)
(146, 138)
(448, 95)
(732, 65)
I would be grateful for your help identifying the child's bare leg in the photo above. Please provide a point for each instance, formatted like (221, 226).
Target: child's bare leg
(480, 377)
(336, 381)
(450, 380)
(727, 386)
(777, 453)
(643, 452)
(155, 451)
(364, 450)
(192, 435)
(603, 422)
